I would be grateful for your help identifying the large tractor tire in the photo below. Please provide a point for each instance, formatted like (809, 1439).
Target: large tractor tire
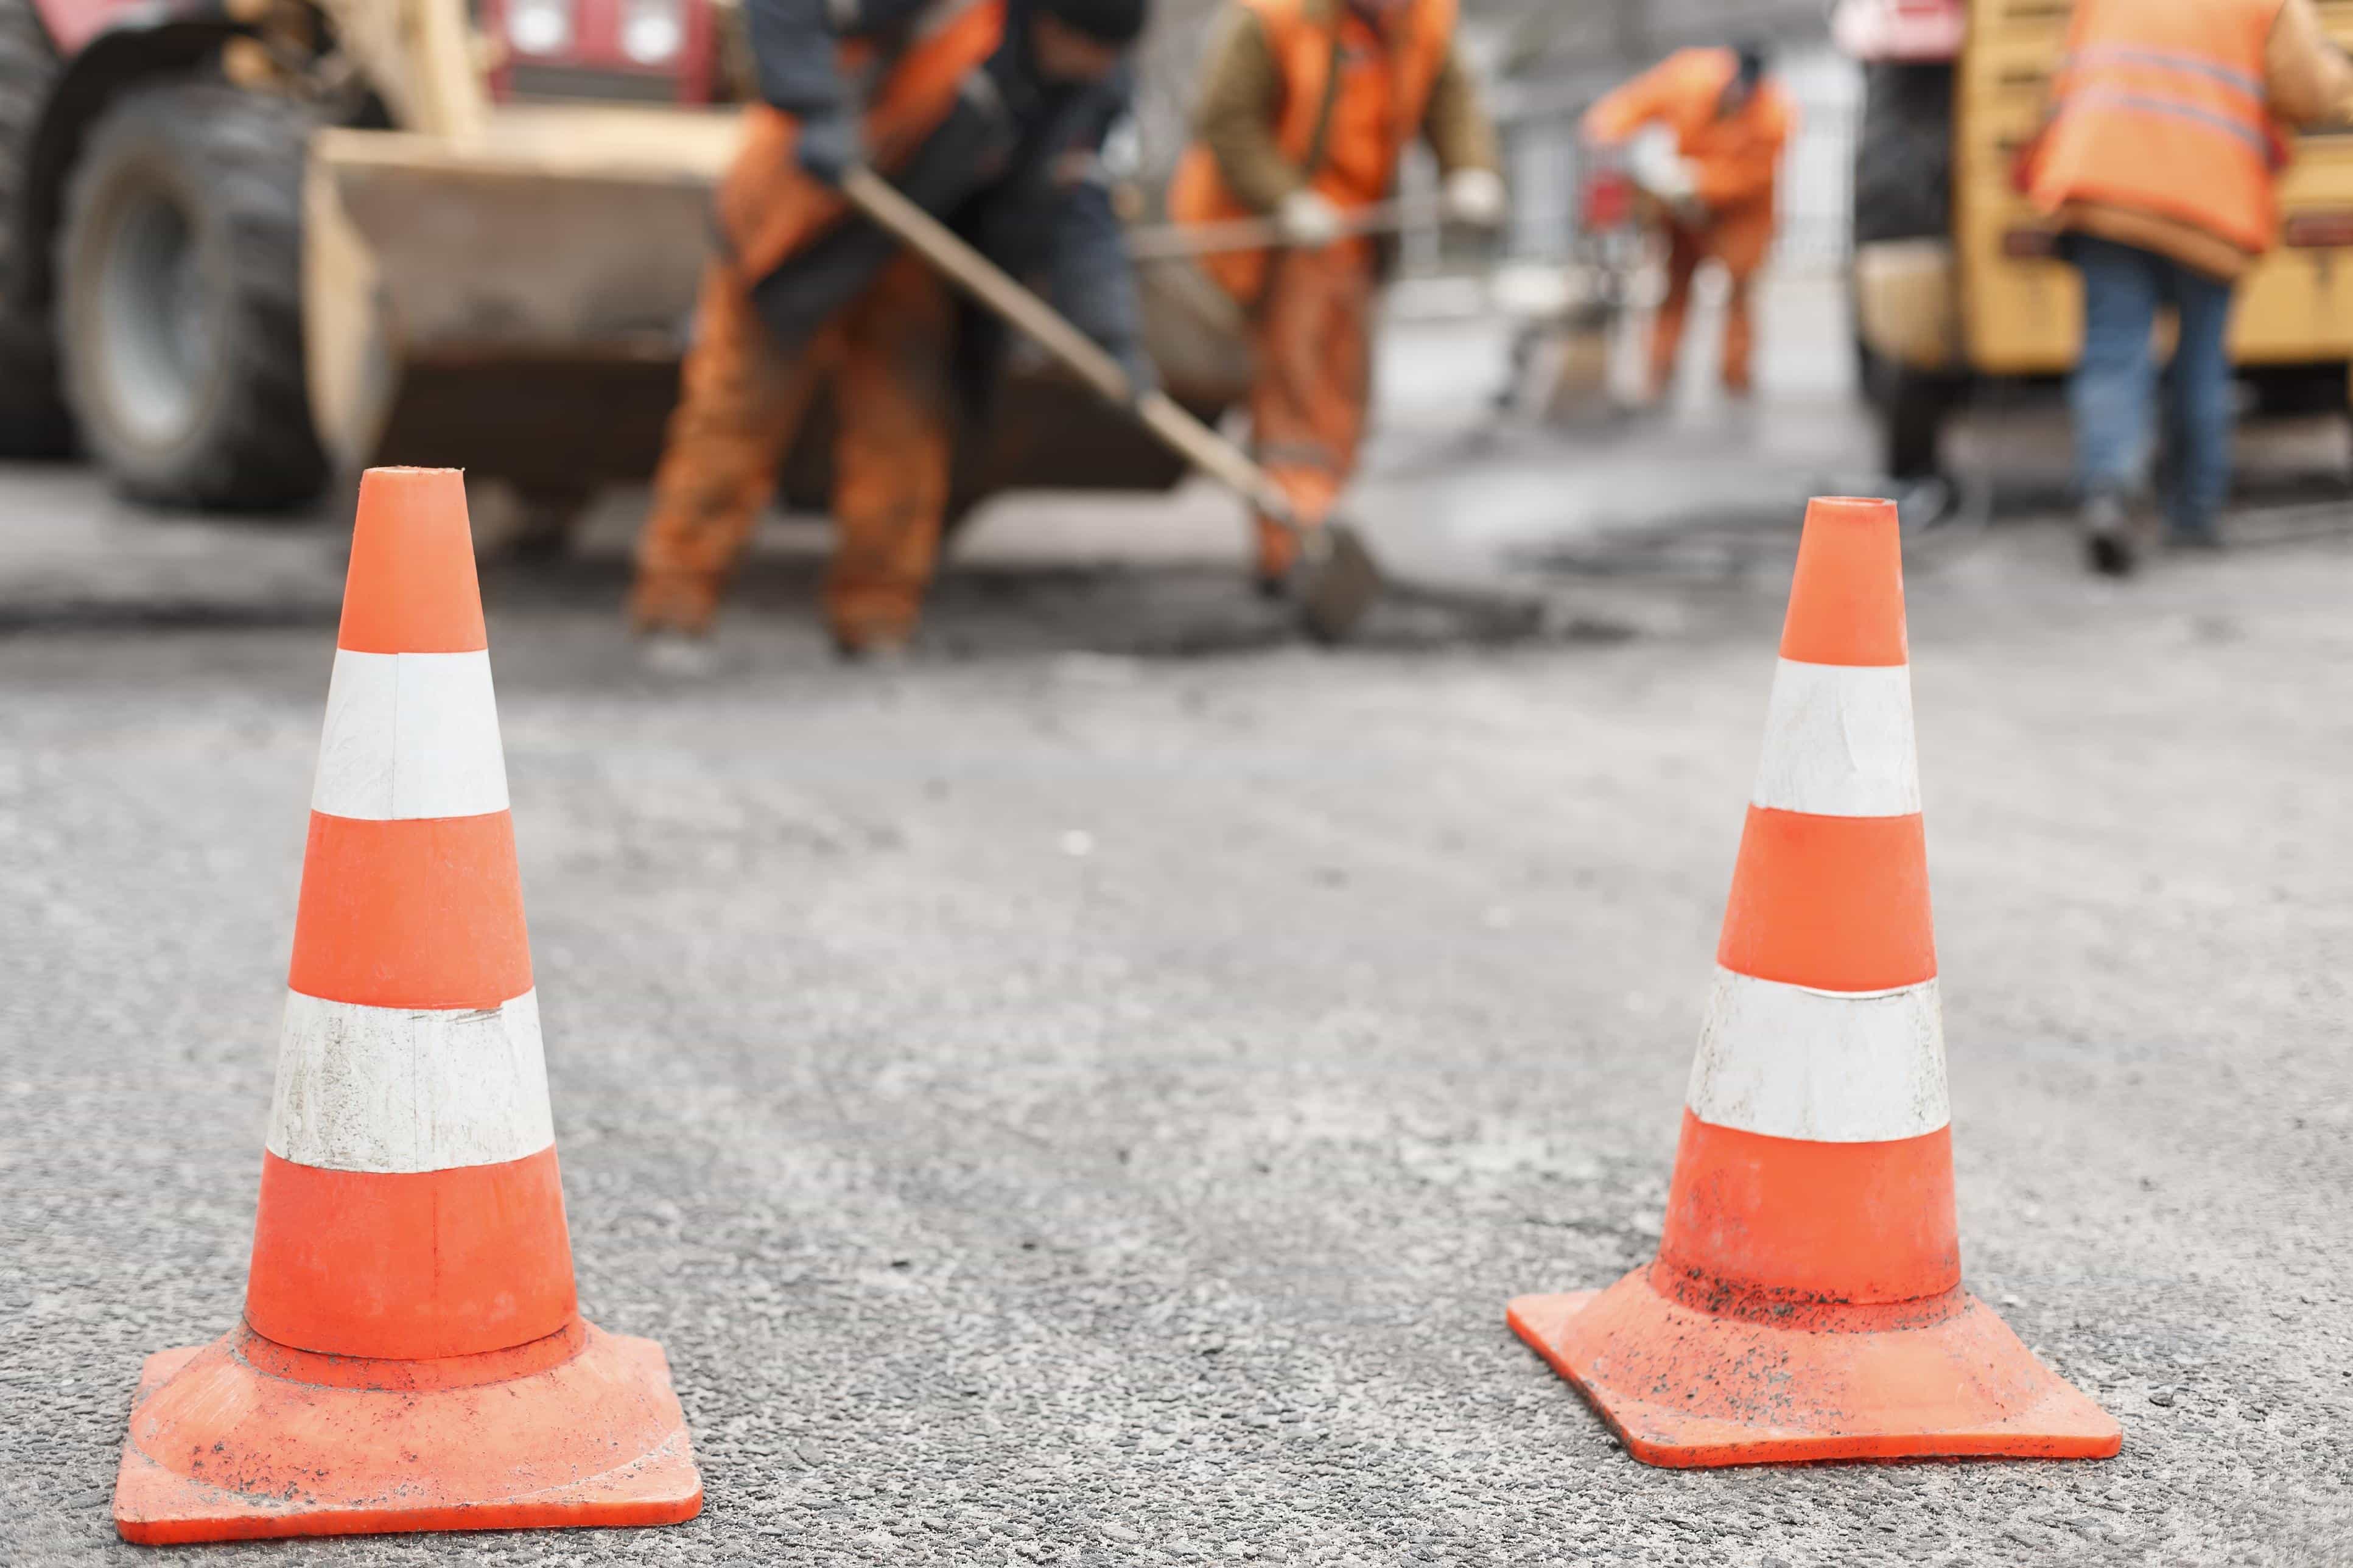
(33, 418)
(180, 304)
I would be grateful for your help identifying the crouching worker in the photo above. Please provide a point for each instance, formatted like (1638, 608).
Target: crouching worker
(989, 114)
(1306, 107)
(1730, 122)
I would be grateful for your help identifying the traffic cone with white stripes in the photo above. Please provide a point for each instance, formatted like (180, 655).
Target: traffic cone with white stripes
(1806, 1302)
(412, 1356)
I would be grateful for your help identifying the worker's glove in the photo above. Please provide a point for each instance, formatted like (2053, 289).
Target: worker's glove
(1682, 195)
(1475, 196)
(1653, 165)
(1307, 220)
(1667, 177)
(829, 146)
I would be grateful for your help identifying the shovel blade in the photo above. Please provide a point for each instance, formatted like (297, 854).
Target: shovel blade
(1338, 582)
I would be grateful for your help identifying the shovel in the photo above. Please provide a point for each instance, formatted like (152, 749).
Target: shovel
(1335, 579)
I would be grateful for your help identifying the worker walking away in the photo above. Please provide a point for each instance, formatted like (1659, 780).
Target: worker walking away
(989, 114)
(2156, 166)
(1306, 107)
(1729, 122)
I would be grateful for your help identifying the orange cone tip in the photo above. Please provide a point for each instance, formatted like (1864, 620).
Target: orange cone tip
(1806, 1302)
(412, 1355)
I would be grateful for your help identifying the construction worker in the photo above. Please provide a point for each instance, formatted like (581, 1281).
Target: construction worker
(1729, 125)
(2156, 166)
(990, 113)
(1306, 108)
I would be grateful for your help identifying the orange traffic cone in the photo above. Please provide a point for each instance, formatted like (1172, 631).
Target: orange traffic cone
(412, 1355)
(1806, 1303)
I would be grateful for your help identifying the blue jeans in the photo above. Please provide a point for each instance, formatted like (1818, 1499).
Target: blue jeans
(2115, 385)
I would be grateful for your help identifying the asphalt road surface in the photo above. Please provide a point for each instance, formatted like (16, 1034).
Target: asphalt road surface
(1086, 1096)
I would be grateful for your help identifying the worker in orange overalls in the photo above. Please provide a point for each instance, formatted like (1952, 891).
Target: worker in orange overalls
(2157, 167)
(1306, 108)
(988, 113)
(1730, 124)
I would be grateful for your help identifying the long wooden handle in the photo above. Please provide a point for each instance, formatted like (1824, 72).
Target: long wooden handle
(988, 282)
(1184, 241)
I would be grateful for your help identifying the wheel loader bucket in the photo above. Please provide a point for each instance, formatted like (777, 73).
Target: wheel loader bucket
(514, 303)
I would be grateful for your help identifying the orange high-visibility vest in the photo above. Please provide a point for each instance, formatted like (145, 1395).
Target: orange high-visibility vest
(1737, 155)
(1377, 111)
(769, 208)
(2159, 108)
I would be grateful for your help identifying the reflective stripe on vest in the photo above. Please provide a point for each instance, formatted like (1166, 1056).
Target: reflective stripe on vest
(2160, 109)
(2163, 59)
(2143, 103)
(2152, 81)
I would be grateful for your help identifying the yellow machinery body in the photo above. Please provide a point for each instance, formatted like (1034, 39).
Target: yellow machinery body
(1994, 301)
(514, 300)
(2023, 313)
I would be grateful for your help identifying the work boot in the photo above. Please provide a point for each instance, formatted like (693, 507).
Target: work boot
(683, 604)
(674, 655)
(2106, 525)
(1278, 552)
(871, 620)
(879, 651)
(867, 635)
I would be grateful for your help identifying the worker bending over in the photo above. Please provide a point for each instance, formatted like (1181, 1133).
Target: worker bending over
(2156, 166)
(988, 113)
(1729, 124)
(1305, 109)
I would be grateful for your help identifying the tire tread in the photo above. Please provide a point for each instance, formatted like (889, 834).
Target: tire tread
(256, 446)
(33, 418)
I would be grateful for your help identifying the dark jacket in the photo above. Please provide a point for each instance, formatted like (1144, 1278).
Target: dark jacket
(1015, 169)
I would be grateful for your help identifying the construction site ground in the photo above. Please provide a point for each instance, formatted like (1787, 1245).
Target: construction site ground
(1086, 1094)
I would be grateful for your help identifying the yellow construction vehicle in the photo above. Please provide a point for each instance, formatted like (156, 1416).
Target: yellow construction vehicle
(1954, 282)
(247, 244)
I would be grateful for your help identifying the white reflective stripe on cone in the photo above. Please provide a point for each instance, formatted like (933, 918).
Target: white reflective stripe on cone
(410, 734)
(409, 1088)
(1838, 741)
(1832, 1066)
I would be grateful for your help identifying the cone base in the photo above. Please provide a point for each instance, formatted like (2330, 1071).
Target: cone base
(1685, 1388)
(223, 1449)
